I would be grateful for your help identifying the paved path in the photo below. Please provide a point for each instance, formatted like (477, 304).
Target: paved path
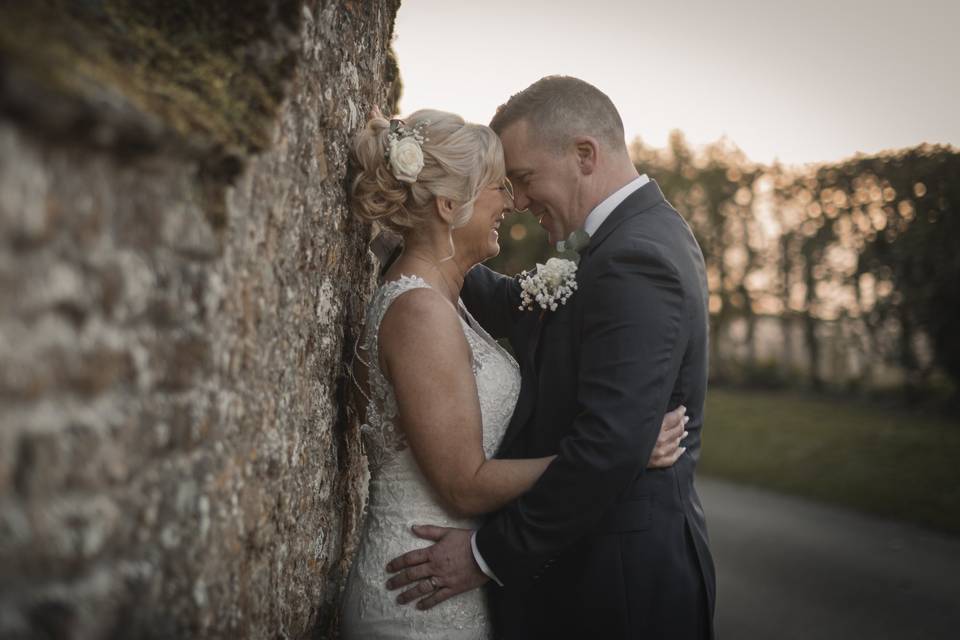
(788, 568)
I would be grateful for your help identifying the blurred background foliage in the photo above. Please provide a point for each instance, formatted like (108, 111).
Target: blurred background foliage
(835, 320)
(835, 277)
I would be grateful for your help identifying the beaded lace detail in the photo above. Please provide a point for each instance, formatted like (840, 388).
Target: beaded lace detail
(400, 496)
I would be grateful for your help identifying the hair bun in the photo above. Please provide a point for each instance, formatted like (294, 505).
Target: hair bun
(376, 194)
(458, 160)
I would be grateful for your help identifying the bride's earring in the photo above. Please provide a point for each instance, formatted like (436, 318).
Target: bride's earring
(453, 249)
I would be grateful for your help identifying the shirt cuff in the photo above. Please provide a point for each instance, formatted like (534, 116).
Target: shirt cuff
(480, 562)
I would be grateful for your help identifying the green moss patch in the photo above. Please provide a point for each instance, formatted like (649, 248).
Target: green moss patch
(213, 72)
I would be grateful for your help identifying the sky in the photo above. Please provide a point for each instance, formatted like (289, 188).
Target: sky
(801, 81)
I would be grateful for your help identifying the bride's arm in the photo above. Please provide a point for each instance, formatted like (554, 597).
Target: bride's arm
(425, 355)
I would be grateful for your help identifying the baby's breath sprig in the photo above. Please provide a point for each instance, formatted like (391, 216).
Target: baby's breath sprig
(549, 286)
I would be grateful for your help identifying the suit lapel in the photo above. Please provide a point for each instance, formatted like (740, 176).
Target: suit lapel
(535, 341)
(646, 197)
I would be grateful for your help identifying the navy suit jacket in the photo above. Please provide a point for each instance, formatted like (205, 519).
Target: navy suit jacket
(600, 545)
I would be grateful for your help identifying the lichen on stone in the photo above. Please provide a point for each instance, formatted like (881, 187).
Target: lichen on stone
(212, 73)
(181, 285)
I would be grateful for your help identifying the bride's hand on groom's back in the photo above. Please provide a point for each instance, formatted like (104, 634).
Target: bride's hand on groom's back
(667, 449)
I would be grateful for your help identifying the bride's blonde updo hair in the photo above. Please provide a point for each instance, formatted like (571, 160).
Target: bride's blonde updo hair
(459, 160)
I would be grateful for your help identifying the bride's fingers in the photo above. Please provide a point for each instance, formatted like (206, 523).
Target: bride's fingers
(656, 458)
(666, 452)
(673, 424)
(677, 450)
(668, 440)
(409, 576)
(677, 414)
(670, 449)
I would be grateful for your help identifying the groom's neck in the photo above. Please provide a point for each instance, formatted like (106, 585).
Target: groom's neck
(614, 176)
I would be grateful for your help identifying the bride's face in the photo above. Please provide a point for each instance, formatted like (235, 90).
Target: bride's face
(479, 239)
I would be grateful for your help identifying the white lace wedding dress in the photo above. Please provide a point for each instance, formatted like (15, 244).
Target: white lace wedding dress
(400, 496)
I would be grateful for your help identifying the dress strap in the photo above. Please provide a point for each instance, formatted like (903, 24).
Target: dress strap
(383, 298)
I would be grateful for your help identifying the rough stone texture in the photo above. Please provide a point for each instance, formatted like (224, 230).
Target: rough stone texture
(180, 284)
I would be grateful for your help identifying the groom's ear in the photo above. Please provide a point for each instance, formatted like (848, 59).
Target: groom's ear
(588, 153)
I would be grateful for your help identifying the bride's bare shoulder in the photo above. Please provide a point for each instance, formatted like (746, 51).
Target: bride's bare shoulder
(420, 321)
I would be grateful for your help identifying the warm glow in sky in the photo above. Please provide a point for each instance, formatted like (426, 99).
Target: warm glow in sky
(802, 81)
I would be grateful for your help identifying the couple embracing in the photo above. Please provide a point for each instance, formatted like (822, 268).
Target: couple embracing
(561, 480)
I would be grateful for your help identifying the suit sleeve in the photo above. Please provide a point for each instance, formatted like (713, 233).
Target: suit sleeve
(631, 347)
(493, 299)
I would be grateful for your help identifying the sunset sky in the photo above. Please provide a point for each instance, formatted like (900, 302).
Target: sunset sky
(802, 81)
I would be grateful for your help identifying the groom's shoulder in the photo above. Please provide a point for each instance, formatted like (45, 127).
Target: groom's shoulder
(658, 217)
(646, 242)
(644, 231)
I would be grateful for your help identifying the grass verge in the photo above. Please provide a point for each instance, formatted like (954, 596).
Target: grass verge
(887, 462)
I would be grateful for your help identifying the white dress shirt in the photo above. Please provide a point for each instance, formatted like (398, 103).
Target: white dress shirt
(594, 219)
(600, 212)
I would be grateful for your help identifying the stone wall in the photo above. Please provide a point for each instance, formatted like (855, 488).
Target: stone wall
(180, 284)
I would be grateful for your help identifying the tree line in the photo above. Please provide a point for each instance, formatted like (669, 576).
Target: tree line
(836, 274)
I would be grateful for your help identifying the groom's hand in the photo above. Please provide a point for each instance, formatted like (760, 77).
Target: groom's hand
(440, 571)
(668, 449)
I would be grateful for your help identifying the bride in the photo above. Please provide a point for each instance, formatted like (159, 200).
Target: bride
(440, 392)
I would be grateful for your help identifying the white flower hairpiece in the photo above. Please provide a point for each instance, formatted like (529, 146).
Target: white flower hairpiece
(549, 286)
(405, 150)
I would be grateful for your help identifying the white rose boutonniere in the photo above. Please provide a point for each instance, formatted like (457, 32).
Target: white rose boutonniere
(406, 159)
(549, 286)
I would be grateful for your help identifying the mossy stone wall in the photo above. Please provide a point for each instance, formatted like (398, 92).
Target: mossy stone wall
(181, 282)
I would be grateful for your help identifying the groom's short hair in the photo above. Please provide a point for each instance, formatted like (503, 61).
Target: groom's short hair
(557, 108)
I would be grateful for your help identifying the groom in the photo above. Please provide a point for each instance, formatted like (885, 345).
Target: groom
(600, 547)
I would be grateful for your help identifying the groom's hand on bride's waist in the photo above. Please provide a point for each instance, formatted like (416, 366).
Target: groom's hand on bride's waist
(448, 567)
(437, 572)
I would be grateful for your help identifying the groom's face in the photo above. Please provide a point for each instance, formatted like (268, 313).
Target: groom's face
(546, 182)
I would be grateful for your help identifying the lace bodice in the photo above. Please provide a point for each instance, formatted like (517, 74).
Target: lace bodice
(382, 437)
(400, 496)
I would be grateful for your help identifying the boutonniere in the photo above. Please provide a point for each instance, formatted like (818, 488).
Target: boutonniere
(548, 286)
